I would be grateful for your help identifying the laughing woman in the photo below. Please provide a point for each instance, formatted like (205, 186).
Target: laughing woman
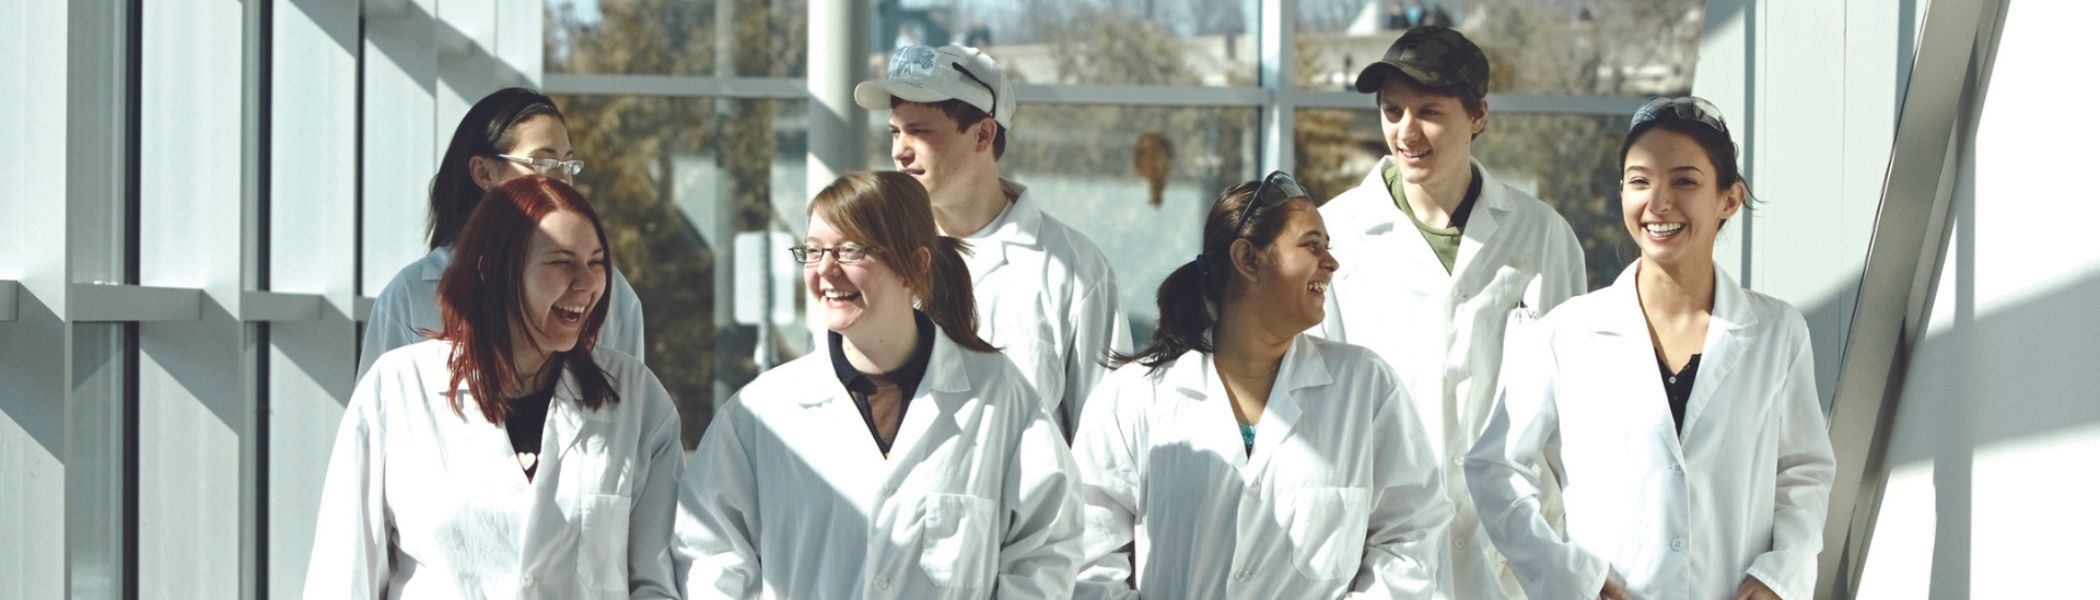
(510, 457)
(1239, 457)
(908, 459)
(1691, 442)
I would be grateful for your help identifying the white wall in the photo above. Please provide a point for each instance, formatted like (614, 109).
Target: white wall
(1998, 428)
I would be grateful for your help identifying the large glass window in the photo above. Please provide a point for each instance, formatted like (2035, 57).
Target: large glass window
(1141, 42)
(1568, 161)
(678, 181)
(1138, 181)
(1634, 47)
(721, 38)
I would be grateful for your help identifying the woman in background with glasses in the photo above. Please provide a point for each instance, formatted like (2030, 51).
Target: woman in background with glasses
(510, 457)
(1238, 457)
(512, 133)
(1678, 408)
(909, 459)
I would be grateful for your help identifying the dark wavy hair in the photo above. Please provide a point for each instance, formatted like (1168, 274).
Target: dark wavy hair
(482, 292)
(486, 130)
(1191, 296)
(888, 213)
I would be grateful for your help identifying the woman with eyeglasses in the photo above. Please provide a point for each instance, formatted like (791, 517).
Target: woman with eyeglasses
(510, 457)
(511, 133)
(907, 459)
(1678, 408)
(1238, 457)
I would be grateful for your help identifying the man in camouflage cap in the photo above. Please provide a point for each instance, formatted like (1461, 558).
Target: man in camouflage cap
(1441, 260)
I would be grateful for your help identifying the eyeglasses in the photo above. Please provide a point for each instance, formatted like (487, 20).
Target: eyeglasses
(1688, 108)
(1277, 187)
(921, 63)
(844, 253)
(546, 166)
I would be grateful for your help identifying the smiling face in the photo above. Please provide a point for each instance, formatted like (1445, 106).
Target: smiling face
(1289, 288)
(1671, 198)
(1429, 134)
(850, 296)
(930, 146)
(563, 279)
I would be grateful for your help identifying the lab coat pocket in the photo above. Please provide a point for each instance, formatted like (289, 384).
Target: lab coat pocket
(1327, 528)
(955, 533)
(602, 557)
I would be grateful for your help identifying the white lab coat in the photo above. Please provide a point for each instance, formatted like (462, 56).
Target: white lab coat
(423, 503)
(1046, 296)
(1342, 495)
(1443, 331)
(789, 497)
(1742, 492)
(409, 305)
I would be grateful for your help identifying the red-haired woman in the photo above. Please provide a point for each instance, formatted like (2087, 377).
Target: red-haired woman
(510, 457)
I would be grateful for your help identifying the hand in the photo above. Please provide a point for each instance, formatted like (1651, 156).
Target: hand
(1612, 591)
(1752, 589)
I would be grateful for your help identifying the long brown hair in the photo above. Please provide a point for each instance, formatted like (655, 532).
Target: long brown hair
(889, 213)
(482, 295)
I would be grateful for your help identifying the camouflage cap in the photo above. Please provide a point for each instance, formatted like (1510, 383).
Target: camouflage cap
(1433, 56)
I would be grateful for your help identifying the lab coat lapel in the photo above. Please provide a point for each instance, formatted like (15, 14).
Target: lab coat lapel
(1302, 372)
(1481, 225)
(1214, 430)
(937, 406)
(1624, 328)
(1727, 333)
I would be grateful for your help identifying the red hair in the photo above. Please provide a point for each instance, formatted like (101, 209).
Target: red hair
(482, 295)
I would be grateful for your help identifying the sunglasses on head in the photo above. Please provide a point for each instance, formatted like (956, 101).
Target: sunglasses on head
(1688, 108)
(1277, 187)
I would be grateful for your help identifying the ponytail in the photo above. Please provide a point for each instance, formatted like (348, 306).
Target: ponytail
(949, 301)
(1185, 316)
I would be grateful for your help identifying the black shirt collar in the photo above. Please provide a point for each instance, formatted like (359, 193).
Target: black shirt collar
(907, 376)
(1465, 207)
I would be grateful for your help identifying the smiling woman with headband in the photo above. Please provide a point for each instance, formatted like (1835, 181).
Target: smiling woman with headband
(1245, 458)
(1679, 408)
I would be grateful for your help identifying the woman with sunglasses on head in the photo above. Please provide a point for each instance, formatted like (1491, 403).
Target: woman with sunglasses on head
(510, 457)
(1678, 409)
(1238, 457)
(511, 133)
(909, 459)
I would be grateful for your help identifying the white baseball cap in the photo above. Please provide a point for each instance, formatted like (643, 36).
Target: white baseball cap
(953, 72)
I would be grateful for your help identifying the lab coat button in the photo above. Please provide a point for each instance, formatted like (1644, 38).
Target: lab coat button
(1458, 462)
(526, 581)
(1678, 469)
(882, 584)
(1677, 545)
(889, 489)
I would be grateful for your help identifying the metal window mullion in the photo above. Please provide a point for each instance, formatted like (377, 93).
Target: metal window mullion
(1902, 261)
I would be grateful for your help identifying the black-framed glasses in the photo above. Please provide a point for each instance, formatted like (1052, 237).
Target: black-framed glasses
(1687, 108)
(546, 166)
(844, 253)
(1277, 187)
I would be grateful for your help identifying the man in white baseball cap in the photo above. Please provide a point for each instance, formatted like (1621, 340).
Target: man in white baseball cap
(1045, 294)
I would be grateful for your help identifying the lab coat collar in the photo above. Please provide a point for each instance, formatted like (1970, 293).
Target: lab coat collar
(945, 372)
(1727, 332)
(1302, 368)
(1019, 228)
(434, 265)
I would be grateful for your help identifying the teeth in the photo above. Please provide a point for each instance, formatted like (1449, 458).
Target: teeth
(1414, 154)
(837, 295)
(1663, 228)
(1319, 288)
